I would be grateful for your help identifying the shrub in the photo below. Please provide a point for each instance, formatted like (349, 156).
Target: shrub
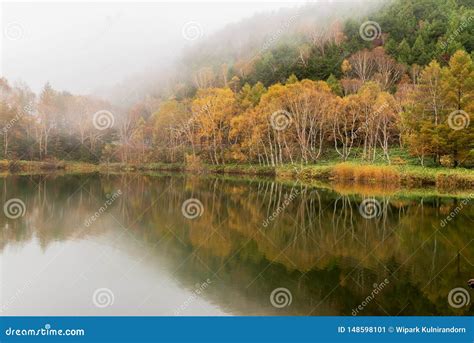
(448, 182)
(4, 164)
(194, 163)
(365, 173)
(447, 161)
(397, 160)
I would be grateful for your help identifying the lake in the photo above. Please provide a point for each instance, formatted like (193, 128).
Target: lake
(134, 244)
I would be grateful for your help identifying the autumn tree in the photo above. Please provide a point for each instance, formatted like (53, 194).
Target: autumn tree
(310, 104)
(423, 116)
(438, 120)
(173, 128)
(212, 109)
(457, 84)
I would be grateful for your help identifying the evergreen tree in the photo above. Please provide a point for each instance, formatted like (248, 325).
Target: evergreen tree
(335, 85)
(404, 52)
(418, 52)
(291, 79)
(458, 89)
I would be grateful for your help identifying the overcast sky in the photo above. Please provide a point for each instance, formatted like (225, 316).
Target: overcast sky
(81, 47)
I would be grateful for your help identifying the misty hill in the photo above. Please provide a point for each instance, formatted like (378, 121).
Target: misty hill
(312, 41)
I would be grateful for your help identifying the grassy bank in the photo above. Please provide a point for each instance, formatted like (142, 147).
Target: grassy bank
(181, 167)
(352, 173)
(390, 176)
(37, 167)
(30, 166)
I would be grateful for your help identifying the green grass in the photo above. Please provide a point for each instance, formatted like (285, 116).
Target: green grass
(241, 169)
(379, 173)
(405, 176)
(26, 166)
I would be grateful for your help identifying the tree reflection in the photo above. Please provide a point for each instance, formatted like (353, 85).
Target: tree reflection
(318, 245)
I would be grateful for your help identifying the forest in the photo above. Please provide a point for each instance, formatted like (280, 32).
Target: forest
(395, 87)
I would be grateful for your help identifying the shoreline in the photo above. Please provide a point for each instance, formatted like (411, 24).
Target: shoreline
(333, 173)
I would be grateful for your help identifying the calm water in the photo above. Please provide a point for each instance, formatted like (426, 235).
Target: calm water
(141, 256)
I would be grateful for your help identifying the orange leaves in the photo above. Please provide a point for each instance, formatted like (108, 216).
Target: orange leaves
(212, 111)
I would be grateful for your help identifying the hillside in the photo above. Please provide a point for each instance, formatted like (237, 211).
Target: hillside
(393, 85)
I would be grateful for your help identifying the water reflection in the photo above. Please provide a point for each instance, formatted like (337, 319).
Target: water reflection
(317, 245)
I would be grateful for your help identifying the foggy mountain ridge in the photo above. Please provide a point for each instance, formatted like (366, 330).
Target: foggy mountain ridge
(244, 40)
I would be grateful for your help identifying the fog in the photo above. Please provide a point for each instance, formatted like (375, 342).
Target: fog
(89, 47)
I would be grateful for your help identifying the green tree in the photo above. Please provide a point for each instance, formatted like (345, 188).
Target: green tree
(291, 79)
(418, 52)
(335, 85)
(458, 92)
(404, 52)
